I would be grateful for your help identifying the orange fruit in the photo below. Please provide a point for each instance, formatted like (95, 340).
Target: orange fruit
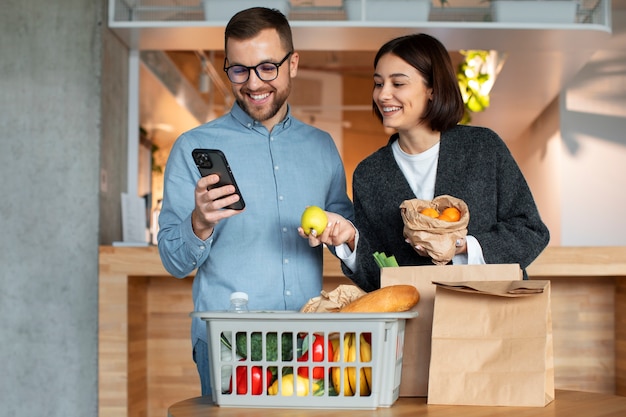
(430, 212)
(445, 218)
(453, 213)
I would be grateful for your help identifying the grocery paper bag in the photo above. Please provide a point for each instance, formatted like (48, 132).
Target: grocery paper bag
(416, 360)
(437, 237)
(492, 344)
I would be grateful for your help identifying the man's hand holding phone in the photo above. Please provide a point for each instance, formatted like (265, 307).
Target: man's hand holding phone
(217, 196)
(210, 205)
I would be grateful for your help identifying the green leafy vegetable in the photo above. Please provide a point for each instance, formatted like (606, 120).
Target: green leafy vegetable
(383, 261)
(256, 346)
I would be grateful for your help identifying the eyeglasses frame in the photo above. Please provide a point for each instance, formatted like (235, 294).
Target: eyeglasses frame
(277, 64)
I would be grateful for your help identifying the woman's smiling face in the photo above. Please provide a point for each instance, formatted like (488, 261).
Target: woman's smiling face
(400, 93)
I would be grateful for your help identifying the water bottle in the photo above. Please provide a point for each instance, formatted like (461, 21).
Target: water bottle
(238, 302)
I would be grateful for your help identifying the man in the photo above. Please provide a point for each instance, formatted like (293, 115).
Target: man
(281, 166)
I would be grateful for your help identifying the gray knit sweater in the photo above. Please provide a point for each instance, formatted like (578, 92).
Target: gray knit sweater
(474, 165)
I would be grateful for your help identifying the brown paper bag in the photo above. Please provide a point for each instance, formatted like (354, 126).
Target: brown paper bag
(333, 301)
(416, 360)
(437, 237)
(492, 344)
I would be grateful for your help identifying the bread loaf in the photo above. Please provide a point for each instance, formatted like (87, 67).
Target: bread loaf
(385, 300)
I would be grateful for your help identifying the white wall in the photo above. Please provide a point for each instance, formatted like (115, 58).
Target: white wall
(574, 155)
(537, 151)
(593, 148)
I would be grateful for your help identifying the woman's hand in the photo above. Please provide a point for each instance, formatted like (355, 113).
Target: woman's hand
(337, 231)
(460, 247)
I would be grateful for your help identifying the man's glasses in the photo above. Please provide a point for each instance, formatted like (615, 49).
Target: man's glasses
(266, 71)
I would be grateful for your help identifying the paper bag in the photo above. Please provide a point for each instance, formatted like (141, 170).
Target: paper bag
(416, 360)
(437, 237)
(492, 344)
(333, 301)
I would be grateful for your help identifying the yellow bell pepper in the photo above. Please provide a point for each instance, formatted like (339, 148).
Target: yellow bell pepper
(302, 386)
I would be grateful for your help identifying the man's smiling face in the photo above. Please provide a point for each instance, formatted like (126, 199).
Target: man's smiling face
(264, 101)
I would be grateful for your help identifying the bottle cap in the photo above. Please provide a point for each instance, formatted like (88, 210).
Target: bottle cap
(239, 294)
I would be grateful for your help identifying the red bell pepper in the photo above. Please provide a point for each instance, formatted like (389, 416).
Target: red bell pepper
(318, 356)
(256, 382)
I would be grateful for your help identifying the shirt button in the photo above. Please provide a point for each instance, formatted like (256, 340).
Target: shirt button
(275, 167)
(201, 247)
(287, 292)
(194, 263)
(280, 197)
(285, 261)
(284, 230)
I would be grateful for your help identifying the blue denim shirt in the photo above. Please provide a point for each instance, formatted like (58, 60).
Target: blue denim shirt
(259, 250)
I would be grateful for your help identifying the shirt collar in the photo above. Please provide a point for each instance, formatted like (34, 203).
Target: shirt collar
(247, 121)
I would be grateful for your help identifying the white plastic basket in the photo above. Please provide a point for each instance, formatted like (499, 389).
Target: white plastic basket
(385, 332)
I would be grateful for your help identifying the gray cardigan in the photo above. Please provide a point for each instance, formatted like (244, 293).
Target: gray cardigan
(474, 165)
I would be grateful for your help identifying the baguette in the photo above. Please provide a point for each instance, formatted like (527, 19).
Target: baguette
(385, 300)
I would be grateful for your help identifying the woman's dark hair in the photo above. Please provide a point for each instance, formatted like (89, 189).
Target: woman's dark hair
(431, 59)
(248, 23)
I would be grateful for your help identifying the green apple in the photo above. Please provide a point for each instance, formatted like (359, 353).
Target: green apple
(314, 218)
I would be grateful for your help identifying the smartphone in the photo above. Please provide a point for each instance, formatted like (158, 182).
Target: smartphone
(213, 161)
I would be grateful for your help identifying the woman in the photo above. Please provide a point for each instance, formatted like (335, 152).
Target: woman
(417, 94)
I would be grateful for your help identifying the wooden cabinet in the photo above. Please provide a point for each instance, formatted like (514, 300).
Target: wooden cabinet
(145, 362)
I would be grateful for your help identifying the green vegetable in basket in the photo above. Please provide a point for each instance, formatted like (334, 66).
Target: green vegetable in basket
(256, 346)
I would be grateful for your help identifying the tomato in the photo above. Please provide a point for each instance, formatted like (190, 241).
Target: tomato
(256, 382)
(318, 356)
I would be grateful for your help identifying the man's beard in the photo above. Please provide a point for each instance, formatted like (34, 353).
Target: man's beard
(261, 114)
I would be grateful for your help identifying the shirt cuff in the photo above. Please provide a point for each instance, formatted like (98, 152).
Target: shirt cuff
(197, 246)
(346, 255)
(474, 255)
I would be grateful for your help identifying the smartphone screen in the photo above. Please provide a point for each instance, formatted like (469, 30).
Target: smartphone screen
(213, 161)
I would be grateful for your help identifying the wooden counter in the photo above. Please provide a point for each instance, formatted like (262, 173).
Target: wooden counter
(145, 360)
(566, 404)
